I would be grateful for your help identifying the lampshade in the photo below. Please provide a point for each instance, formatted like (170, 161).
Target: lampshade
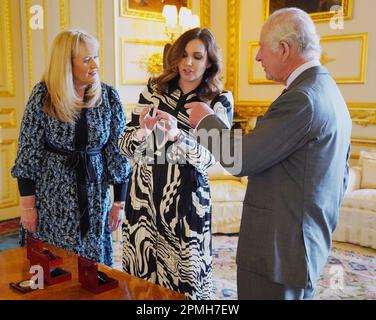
(171, 14)
(185, 16)
(195, 21)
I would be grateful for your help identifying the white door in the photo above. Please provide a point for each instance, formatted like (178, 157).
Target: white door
(12, 103)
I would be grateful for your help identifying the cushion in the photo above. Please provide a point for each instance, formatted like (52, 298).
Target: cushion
(369, 174)
(227, 190)
(226, 217)
(362, 199)
(356, 226)
(366, 155)
(355, 176)
(218, 172)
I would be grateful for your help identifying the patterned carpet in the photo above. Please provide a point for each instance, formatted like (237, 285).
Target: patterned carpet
(350, 273)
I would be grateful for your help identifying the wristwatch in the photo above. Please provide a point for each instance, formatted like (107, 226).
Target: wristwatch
(120, 205)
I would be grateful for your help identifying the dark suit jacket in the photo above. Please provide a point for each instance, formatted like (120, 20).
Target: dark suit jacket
(296, 161)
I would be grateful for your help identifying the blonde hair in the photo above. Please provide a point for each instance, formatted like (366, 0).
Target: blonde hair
(62, 101)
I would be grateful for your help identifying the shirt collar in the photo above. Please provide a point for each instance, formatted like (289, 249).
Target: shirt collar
(298, 71)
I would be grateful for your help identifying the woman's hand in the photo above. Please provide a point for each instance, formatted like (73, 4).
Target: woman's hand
(116, 216)
(147, 123)
(29, 218)
(169, 124)
(146, 120)
(29, 213)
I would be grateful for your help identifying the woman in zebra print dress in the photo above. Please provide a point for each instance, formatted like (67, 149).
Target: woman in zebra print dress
(167, 226)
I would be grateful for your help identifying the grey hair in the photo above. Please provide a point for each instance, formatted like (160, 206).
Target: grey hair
(294, 26)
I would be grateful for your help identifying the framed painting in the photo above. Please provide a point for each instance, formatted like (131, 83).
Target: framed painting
(319, 10)
(149, 9)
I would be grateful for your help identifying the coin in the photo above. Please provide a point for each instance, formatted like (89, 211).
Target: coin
(26, 283)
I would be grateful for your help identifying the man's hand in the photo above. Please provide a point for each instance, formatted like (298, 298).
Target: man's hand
(197, 111)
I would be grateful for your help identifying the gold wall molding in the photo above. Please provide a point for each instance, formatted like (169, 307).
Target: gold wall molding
(205, 13)
(363, 38)
(252, 46)
(6, 49)
(325, 59)
(363, 143)
(123, 42)
(65, 16)
(8, 187)
(362, 113)
(233, 27)
(29, 47)
(100, 33)
(45, 32)
(7, 118)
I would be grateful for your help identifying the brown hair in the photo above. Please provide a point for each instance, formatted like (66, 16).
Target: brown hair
(211, 85)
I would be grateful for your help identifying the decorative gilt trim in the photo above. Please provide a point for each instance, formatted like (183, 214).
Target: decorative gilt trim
(45, 32)
(115, 43)
(100, 33)
(320, 16)
(360, 78)
(122, 55)
(363, 37)
(5, 15)
(251, 62)
(65, 18)
(9, 199)
(362, 142)
(205, 13)
(11, 122)
(363, 114)
(145, 15)
(248, 109)
(29, 47)
(233, 26)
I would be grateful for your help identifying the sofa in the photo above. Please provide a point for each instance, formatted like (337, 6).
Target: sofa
(227, 195)
(357, 218)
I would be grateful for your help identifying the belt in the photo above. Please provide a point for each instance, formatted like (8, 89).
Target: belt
(79, 160)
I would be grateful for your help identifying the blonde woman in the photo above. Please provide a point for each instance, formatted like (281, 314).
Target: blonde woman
(68, 154)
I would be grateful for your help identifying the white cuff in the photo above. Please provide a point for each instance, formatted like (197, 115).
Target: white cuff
(142, 134)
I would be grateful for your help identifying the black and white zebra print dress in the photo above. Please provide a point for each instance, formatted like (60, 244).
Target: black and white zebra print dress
(167, 226)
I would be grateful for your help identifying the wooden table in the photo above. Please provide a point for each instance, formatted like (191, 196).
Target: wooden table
(14, 267)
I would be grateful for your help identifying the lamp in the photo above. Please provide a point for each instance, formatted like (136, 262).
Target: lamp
(178, 24)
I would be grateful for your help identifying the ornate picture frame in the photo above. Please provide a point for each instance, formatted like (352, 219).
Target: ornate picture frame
(149, 9)
(319, 10)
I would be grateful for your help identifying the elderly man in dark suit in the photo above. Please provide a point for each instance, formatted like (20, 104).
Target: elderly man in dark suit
(296, 160)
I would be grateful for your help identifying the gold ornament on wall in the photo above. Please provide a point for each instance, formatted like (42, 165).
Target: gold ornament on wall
(153, 64)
